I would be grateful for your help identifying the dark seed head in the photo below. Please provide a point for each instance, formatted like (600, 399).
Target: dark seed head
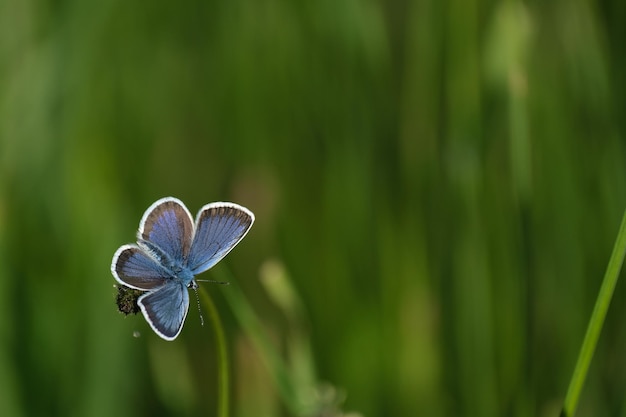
(127, 300)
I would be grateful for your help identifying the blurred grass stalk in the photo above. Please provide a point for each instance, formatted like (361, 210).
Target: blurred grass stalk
(596, 322)
(253, 328)
(311, 399)
(295, 377)
(222, 359)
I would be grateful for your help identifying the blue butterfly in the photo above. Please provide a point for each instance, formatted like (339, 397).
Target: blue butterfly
(171, 250)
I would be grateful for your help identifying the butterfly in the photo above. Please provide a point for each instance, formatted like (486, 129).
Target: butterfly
(171, 250)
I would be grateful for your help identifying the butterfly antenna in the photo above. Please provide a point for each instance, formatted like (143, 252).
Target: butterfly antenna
(194, 287)
(213, 282)
(195, 290)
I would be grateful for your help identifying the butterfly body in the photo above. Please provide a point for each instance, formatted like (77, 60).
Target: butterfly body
(177, 269)
(171, 250)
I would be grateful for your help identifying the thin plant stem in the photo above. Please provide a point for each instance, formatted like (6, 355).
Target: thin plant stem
(222, 355)
(596, 322)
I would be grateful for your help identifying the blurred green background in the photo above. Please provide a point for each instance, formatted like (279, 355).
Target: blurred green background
(441, 183)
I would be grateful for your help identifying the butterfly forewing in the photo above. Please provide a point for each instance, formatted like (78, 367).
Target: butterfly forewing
(133, 267)
(219, 227)
(168, 225)
(166, 308)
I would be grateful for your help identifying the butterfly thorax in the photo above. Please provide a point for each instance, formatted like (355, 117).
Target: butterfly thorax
(177, 269)
(186, 276)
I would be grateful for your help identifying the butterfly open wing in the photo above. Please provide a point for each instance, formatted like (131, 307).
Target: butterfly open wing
(219, 227)
(165, 309)
(170, 249)
(133, 267)
(167, 224)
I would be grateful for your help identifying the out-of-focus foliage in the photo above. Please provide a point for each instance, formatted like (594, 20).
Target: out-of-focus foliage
(441, 181)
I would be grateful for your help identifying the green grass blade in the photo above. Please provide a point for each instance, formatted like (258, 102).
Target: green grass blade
(222, 355)
(596, 322)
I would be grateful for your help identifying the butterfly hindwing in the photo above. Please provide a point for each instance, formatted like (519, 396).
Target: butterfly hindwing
(135, 268)
(165, 309)
(168, 225)
(219, 227)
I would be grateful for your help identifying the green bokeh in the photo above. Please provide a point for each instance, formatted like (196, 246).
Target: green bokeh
(441, 181)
